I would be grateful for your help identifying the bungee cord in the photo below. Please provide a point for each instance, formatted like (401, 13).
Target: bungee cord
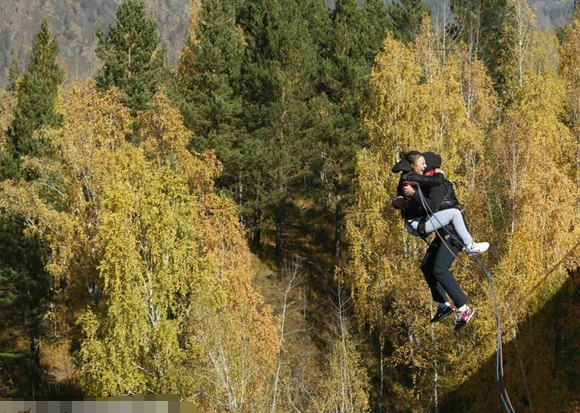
(500, 379)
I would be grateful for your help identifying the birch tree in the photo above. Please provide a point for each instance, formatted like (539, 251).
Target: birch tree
(417, 101)
(536, 222)
(145, 247)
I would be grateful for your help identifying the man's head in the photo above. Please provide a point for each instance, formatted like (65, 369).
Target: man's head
(433, 161)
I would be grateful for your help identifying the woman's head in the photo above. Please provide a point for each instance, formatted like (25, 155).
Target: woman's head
(416, 160)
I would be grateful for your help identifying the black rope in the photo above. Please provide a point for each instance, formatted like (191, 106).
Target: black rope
(500, 380)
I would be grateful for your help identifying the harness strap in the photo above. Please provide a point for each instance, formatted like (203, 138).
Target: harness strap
(421, 228)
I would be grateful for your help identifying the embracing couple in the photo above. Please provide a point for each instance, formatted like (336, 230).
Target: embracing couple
(428, 204)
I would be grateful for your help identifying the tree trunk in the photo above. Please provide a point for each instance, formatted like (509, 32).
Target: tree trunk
(34, 364)
(257, 240)
(278, 239)
(338, 218)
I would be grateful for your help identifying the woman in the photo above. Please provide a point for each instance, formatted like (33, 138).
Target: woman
(418, 221)
(443, 250)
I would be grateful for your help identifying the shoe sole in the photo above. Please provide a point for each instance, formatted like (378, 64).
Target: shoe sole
(466, 321)
(480, 251)
(439, 319)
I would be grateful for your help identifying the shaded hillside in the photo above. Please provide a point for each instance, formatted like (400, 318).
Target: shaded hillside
(74, 22)
(541, 368)
(552, 14)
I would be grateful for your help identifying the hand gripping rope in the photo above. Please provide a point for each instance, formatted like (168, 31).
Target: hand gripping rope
(503, 394)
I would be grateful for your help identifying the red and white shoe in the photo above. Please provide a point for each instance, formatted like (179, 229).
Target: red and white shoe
(463, 317)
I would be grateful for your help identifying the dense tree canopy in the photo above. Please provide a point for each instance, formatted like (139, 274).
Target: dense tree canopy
(131, 55)
(36, 95)
(126, 266)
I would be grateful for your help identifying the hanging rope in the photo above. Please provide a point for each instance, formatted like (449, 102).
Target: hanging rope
(500, 379)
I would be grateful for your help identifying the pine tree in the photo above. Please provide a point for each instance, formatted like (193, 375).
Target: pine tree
(406, 18)
(14, 74)
(348, 55)
(378, 22)
(208, 79)
(36, 100)
(131, 54)
(28, 286)
(25, 295)
(278, 75)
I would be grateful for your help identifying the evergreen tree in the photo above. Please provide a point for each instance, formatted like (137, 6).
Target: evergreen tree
(28, 286)
(36, 100)
(132, 57)
(208, 79)
(14, 74)
(24, 299)
(348, 56)
(406, 17)
(280, 65)
(379, 23)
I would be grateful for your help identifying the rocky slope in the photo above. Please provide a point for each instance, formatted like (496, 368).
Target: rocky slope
(74, 22)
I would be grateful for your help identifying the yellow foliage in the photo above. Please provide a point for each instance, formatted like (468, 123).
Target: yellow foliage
(194, 16)
(538, 227)
(345, 387)
(416, 102)
(533, 149)
(481, 102)
(420, 99)
(7, 103)
(570, 73)
(165, 143)
(145, 246)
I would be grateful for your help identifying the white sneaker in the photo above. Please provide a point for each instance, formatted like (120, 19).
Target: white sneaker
(479, 247)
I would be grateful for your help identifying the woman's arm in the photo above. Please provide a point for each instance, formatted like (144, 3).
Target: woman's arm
(433, 197)
(423, 180)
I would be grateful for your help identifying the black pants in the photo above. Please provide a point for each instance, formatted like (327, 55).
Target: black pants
(436, 267)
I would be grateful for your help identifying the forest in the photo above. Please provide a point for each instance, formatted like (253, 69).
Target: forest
(222, 229)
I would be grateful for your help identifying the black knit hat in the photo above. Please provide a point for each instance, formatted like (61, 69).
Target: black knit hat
(432, 160)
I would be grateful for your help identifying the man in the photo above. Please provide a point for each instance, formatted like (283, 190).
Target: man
(443, 250)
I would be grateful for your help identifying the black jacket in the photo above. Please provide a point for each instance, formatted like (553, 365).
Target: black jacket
(442, 197)
(438, 191)
(415, 208)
